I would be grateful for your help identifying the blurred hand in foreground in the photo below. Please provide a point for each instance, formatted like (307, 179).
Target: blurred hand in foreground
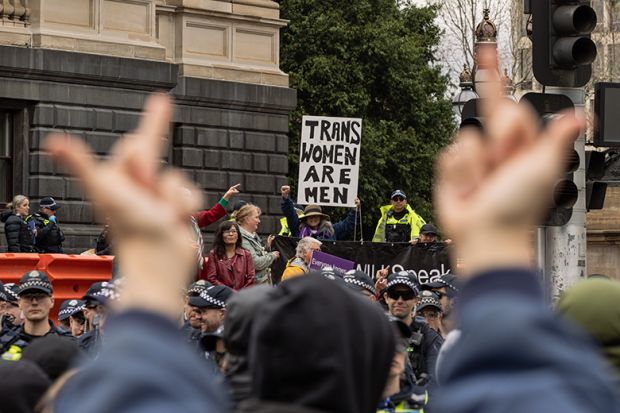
(492, 189)
(150, 214)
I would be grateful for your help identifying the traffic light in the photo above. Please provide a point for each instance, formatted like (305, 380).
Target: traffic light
(562, 50)
(565, 191)
(595, 189)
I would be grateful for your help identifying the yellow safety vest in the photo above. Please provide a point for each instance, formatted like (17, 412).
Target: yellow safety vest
(412, 219)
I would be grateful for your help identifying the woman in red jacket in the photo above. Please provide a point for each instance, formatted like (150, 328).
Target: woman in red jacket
(228, 263)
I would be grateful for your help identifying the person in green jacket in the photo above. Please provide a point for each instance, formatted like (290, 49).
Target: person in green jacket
(398, 222)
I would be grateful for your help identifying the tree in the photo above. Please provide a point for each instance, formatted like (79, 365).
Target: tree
(372, 59)
(458, 20)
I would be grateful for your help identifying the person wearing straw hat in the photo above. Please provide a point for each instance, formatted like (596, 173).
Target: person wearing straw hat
(313, 222)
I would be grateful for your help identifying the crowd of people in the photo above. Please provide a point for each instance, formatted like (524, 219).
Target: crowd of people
(155, 340)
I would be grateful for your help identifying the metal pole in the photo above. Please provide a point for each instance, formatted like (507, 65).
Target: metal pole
(541, 255)
(565, 255)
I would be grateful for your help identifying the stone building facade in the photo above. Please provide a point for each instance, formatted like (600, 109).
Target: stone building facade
(86, 66)
(603, 226)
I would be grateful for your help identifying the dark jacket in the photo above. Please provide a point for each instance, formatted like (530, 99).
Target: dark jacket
(423, 356)
(19, 338)
(514, 355)
(319, 345)
(241, 310)
(19, 238)
(49, 237)
(338, 231)
(144, 367)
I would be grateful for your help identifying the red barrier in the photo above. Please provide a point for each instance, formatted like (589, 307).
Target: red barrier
(14, 265)
(71, 275)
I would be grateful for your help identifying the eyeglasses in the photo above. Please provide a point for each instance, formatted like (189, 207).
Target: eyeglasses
(429, 314)
(439, 294)
(398, 199)
(230, 231)
(405, 294)
(36, 297)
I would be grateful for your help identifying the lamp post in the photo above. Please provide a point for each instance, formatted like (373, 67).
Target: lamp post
(486, 37)
(465, 94)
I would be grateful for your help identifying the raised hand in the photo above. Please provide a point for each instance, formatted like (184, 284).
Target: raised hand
(233, 190)
(285, 190)
(491, 190)
(149, 208)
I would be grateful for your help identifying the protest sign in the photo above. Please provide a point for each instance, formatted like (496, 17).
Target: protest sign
(321, 260)
(329, 161)
(427, 261)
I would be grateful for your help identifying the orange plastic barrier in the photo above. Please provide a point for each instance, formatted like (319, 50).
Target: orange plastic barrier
(71, 275)
(14, 265)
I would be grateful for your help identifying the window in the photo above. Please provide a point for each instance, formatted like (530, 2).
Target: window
(6, 156)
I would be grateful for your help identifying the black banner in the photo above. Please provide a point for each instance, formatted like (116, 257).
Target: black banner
(428, 261)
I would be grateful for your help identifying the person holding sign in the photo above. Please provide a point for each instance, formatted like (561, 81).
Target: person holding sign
(313, 222)
(398, 222)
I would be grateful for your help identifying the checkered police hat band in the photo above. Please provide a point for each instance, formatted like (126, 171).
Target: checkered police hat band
(70, 310)
(35, 283)
(402, 281)
(108, 293)
(212, 300)
(11, 293)
(355, 281)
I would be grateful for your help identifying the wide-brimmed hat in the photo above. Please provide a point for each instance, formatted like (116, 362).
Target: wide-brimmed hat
(313, 211)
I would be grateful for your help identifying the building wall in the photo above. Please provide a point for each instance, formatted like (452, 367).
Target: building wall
(86, 66)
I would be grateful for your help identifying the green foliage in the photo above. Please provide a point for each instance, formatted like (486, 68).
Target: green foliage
(372, 59)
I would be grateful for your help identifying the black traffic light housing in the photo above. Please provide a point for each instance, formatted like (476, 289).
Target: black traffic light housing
(565, 192)
(563, 51)
(595, 189)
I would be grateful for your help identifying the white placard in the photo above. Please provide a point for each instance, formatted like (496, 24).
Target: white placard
(329, 161)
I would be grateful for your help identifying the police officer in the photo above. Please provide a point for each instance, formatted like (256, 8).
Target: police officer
(49, 237)
(397, 398)
(96, 301)
(401, 297)
(192, 318)
(12, 314)
(35, 301)
(71, 317)
(446, 288)
(360, 281)
(398, 222)
(211, 304)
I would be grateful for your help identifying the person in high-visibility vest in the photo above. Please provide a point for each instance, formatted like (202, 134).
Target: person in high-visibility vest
(285, 231)
(398, 222)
